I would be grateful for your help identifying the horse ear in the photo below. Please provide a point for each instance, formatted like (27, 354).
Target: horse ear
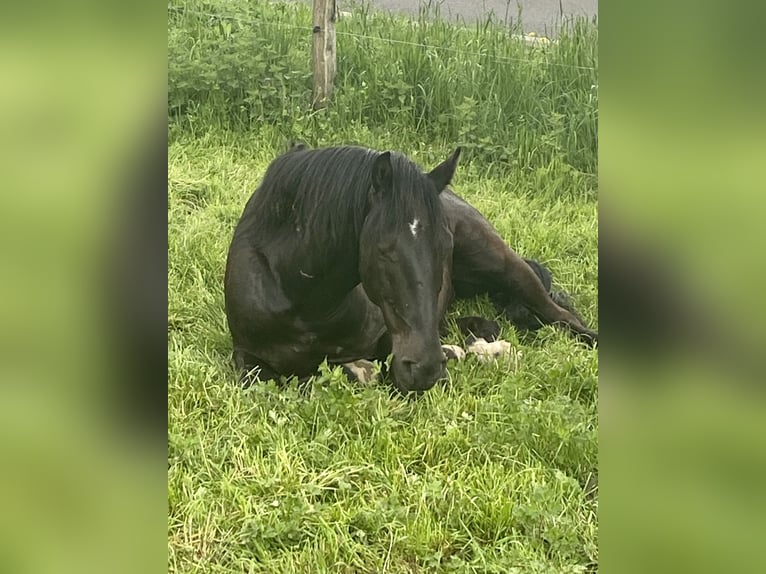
(382, 173)
(442, 174)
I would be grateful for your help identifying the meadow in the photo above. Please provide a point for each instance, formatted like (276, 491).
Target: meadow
(493, 471)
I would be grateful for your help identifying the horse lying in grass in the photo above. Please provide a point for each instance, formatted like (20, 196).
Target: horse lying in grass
(349, 254)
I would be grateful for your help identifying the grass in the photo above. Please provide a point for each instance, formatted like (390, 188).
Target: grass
(490, 472)
(506, 103)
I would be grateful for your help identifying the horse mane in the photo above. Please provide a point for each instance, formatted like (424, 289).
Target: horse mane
(322, 195)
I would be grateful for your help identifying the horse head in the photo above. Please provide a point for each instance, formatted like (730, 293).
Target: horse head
(405, 248)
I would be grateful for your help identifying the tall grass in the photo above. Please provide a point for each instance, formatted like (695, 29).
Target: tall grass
(246, 65)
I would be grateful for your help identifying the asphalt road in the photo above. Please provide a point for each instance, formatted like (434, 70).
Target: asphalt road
(539, 16)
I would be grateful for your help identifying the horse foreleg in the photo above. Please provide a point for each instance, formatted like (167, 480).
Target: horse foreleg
(251, 369)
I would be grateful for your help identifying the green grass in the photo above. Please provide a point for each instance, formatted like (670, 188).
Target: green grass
(489, 472)
(505, 102)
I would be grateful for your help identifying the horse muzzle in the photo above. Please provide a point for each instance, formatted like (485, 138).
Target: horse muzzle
(418, 375)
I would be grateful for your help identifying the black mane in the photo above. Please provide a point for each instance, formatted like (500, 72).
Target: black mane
(322, 196)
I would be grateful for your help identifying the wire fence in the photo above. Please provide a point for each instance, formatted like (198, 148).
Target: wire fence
(308, 29)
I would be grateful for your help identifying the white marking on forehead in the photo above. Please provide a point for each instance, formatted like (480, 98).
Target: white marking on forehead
(414, 227)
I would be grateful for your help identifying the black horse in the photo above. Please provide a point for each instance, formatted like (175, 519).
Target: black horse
(346, 253)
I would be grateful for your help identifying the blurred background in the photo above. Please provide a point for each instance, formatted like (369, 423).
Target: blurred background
(82, 253)
(82, 286)
(681, 453)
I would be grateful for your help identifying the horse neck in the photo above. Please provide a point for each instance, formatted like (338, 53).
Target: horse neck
(333, 252)
(323, 273)
(317, 259)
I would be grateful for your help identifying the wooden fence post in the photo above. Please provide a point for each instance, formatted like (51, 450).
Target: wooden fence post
(323, 53)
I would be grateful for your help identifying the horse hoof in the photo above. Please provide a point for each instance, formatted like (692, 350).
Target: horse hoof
(478, 327)
(362, 371)
(495, 351)
(453, 352)
(590, 338)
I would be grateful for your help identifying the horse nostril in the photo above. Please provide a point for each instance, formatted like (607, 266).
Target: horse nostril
(409, 369)
(409, 364)
(425, 374)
